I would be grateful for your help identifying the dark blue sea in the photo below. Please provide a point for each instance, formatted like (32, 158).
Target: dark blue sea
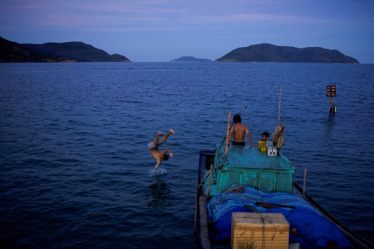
(75, 171)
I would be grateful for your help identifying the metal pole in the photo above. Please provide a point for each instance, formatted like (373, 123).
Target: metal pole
(331, 103)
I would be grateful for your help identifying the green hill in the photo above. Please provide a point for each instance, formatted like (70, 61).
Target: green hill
(190, 59)
(271, 53)
(78, 51)
(13, 52)
(55, 52)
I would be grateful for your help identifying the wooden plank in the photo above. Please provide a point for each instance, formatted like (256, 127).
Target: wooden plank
(258, 229)
(246, 245)
(270, 242)
(259, 242)
(256, 244)
(203, 224)
(259, 234)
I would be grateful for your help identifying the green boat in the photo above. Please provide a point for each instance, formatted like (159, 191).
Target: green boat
(251, 180)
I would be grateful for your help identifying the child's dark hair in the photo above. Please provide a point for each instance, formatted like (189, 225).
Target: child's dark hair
(265, 134)
(237, 118)
(166, 157)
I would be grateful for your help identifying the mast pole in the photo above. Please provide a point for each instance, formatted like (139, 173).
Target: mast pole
(279, 112)
(227, 134)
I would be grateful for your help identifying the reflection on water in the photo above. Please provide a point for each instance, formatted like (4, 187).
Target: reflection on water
(330, 123)
(159, 195)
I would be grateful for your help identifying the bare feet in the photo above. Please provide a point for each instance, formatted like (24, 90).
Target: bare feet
(160, 134)
(171, 130)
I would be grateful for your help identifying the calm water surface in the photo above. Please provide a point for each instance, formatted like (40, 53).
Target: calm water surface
(75, 171)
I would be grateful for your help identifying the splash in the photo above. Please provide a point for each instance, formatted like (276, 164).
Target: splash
(159, 171)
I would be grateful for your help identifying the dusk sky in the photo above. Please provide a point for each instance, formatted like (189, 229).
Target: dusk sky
(163, 30)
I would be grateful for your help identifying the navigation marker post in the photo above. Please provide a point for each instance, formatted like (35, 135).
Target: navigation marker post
(331, 92)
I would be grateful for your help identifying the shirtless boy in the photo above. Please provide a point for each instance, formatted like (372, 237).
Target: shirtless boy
(156, 143)
(238, 130)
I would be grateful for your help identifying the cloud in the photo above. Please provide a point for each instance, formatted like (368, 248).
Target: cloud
(251, 18)
(132, 15)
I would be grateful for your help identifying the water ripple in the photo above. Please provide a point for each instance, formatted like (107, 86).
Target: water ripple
(76, 173)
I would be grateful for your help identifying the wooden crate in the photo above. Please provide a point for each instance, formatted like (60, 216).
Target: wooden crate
(259, 230)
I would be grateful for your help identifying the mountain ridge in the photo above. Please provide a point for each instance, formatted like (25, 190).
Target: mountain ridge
(271, 53)
(13, 52)
(190, 59)
(55, 52)
(78, 51)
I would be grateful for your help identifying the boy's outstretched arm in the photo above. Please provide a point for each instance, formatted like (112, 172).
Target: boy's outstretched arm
(157, 164)
(167, 149)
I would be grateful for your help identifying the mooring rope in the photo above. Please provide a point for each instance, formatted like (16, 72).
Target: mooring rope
(268, 219)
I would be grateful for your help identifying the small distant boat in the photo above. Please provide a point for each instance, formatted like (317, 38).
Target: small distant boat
(247, 181)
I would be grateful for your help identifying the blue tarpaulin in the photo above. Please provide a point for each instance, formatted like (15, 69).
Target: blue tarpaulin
(313, 229)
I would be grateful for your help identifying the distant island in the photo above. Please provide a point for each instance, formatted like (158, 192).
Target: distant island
(81, 52)
(272, 53)
(190, 59)
(55, 52)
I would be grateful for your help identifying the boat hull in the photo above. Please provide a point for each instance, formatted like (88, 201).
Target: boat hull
(201, 215)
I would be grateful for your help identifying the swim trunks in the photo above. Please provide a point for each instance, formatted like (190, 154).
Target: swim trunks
(151, 146)
(238, 143)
